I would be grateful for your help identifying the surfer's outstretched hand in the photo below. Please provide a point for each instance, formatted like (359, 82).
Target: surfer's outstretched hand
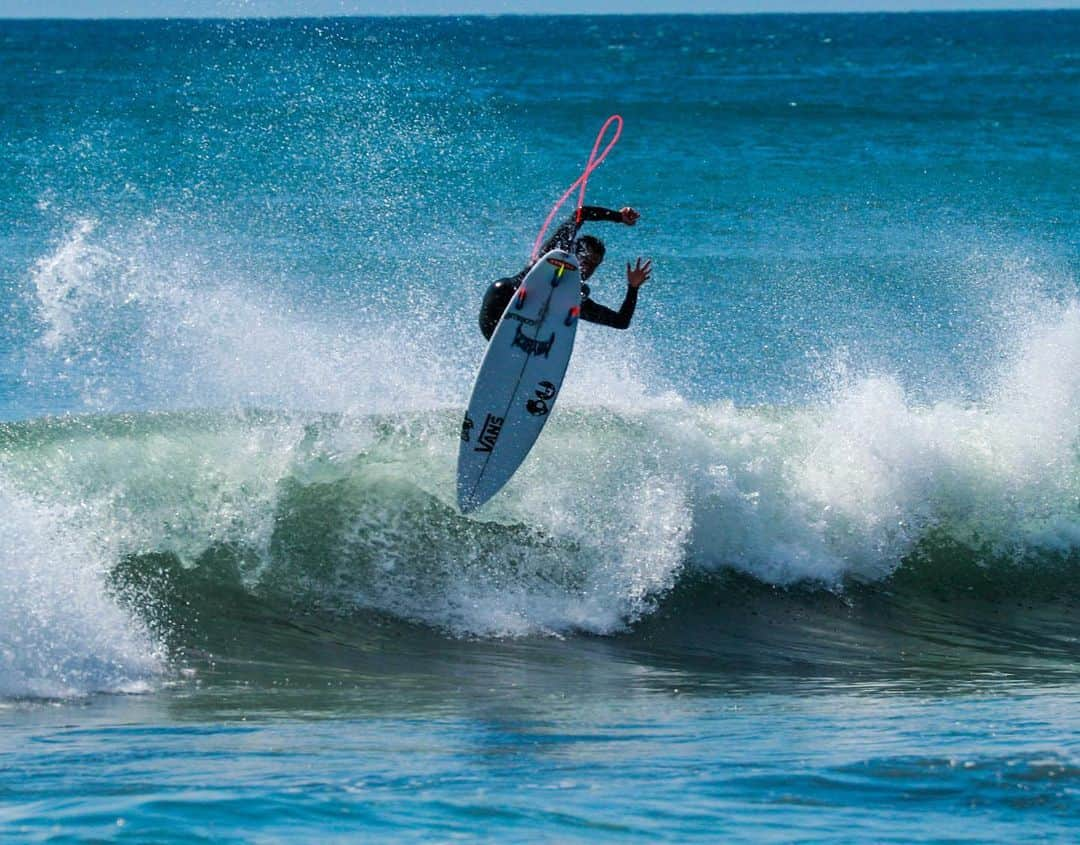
(638, 275)
(629, 216)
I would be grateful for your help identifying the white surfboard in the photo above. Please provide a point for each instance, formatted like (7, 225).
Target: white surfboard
(520, 378)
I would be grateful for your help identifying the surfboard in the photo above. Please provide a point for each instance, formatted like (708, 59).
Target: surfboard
(519, 379)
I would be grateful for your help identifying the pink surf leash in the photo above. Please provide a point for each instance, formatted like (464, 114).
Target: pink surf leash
(583, 180)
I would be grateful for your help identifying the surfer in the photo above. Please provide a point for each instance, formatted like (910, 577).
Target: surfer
(590, 254)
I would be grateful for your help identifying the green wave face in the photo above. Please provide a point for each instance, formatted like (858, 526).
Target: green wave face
(611, 513)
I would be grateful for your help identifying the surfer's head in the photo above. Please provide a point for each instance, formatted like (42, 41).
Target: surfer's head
(590, 253)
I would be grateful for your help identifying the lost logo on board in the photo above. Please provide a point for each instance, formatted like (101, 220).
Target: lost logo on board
(466, 428)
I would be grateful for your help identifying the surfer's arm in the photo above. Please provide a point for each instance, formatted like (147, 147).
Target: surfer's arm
(593, 312)
(589, 214)
(636, 276)
(594, 213)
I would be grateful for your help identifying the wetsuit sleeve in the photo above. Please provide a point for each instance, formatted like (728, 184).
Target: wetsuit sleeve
(592, 213)
(569, 229)
(593, 312)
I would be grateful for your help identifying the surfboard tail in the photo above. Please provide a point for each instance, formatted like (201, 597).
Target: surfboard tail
(467, 501)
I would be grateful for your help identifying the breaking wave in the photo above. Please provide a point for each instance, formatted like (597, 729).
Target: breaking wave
(115, 524)
(613, 508)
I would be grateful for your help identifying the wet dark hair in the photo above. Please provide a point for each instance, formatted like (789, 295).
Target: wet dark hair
(588, 245)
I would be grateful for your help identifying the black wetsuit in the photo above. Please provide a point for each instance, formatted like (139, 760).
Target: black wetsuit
(501, 291)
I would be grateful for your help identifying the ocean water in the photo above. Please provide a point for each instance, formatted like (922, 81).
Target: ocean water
(796, 558)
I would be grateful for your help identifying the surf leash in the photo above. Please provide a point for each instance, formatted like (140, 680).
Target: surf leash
(583, 180)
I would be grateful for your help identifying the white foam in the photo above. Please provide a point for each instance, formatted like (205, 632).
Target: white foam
(850, 488)
(61, 634)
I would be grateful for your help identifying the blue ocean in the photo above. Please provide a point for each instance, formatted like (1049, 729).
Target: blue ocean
(796, 558)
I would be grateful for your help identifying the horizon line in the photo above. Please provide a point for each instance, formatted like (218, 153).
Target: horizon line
(430, 15)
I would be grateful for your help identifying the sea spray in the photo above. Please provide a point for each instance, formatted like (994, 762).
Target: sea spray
(131, 317)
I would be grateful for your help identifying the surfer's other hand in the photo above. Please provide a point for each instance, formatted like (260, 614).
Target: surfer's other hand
(629, 216)
(639, 275)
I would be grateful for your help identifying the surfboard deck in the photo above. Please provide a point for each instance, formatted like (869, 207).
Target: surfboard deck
(519, 379)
